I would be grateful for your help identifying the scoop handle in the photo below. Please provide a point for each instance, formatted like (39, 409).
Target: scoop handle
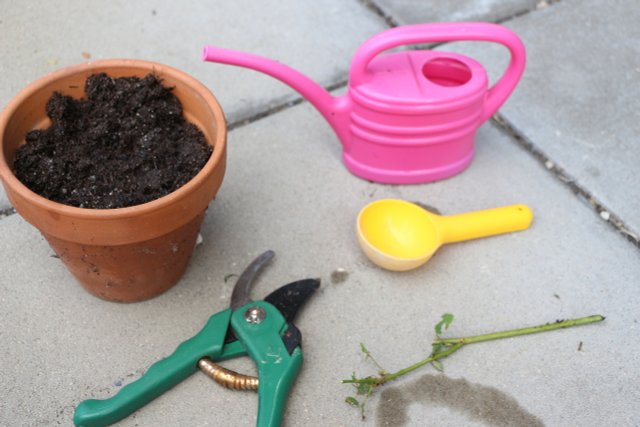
(489, 222)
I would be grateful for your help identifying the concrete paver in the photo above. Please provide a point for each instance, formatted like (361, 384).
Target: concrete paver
(412, 12)
(578, 99)
(294, 196)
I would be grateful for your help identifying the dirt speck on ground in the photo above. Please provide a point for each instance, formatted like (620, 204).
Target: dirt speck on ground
(339, 275)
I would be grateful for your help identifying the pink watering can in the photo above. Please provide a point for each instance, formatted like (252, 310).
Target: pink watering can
(411, 116)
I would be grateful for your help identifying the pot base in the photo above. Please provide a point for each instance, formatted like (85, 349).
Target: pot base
(133, 272)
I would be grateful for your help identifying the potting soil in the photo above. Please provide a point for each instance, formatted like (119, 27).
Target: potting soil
(125, 144)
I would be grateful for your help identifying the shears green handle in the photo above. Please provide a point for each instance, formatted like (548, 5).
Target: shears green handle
(159, 378)
(277, 368)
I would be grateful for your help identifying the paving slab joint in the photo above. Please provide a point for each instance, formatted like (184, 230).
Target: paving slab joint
(542, 4)
(373, 7)
(561, 174)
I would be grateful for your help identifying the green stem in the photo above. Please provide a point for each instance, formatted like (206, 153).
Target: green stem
(523, 331)
(376, 381)
(454, 344)
(433, 357)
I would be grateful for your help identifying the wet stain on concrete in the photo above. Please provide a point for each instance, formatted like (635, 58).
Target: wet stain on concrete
(487, 405)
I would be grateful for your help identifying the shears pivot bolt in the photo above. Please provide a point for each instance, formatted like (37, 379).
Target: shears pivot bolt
(255, 315)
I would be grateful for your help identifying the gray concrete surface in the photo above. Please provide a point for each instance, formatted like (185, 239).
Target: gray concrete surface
(287, 190)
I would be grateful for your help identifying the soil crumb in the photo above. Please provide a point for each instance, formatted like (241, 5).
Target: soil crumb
(479, 403)
(339, 275)
(125, 144)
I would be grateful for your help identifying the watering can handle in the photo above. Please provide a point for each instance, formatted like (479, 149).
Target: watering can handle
(426, 33)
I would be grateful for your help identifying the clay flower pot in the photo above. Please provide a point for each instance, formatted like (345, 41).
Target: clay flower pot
(126, 254)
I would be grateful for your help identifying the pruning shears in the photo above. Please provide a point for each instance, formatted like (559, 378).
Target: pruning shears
(264, 330)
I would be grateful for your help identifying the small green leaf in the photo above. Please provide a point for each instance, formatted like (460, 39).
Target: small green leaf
(363, 349)
(435, 348)
(352, 401)
(364, 388)
(438, 365)
(447, 319)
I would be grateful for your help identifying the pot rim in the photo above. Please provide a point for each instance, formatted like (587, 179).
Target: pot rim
(218, 155)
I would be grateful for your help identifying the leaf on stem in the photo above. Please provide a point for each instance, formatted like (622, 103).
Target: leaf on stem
(438, 365)
(435, 348)
(381, 371)
(447, 319)
(364, 350)
(352, 401)
(362, 388)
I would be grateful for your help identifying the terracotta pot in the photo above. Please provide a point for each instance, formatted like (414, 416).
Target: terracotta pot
(126, 254)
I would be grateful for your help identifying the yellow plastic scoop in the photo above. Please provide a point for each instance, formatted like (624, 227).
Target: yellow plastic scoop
(399, 235)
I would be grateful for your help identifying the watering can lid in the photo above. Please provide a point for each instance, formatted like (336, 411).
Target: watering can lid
(419, 77)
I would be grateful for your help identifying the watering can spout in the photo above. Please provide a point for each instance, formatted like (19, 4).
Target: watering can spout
(333, 109)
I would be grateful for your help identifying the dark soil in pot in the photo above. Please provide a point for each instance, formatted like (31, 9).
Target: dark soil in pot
(125, 144)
